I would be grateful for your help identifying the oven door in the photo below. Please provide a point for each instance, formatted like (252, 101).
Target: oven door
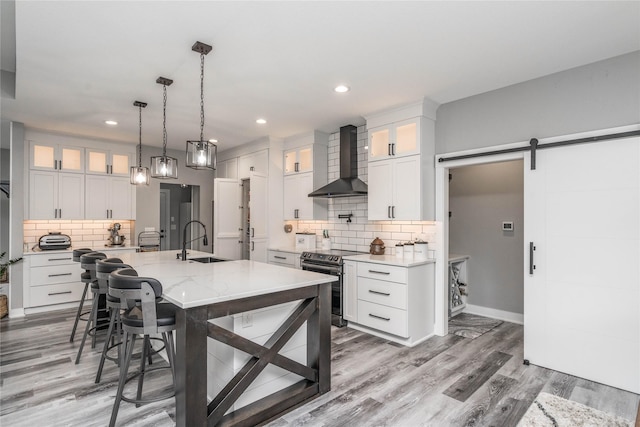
(336, 289)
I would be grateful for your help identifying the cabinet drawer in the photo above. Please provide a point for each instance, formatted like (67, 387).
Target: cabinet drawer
(51, 259)
(55, 294)
(55, 274)
(383, 318)
(381, 292)
(389, 273)
(282, 258)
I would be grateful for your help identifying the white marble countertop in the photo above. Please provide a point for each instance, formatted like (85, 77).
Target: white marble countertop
(191, 284)
(388, 260)
(70, 250)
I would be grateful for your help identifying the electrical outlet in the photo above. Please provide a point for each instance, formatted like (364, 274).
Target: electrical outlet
(247, 320)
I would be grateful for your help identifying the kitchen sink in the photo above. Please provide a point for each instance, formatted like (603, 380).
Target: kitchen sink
(207, 259)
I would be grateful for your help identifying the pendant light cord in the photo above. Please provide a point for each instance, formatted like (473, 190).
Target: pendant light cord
(164, 120)
(201, 96)
(140, 136)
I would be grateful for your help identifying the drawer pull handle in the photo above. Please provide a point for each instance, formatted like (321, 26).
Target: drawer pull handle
(59, 293)
(386, 294)
(380, 317)
(280, 257)
(379, 272)
(59, 259)
(60, 274)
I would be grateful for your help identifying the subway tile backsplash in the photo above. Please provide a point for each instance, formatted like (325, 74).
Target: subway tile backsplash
(358, 234)
(93, 234)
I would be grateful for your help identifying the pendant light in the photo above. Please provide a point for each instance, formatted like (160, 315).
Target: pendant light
(164, 166)
(201, 154)
(139, 175)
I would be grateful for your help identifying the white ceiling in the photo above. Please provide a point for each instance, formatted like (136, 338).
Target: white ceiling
(79, 63)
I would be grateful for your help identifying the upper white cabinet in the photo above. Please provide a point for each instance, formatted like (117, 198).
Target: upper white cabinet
(395, 140)
(108, 162)
(108, 197)
(55, 195)
(56, 157)
(305, 169)
(254, 162)
(401, 175)
(227, 168)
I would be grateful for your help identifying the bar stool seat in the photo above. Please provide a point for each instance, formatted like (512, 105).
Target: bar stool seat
(165, 316)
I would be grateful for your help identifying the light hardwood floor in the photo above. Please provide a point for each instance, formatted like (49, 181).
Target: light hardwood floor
(446, 381)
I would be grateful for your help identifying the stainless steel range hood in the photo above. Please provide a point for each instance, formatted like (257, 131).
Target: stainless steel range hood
(349, 184)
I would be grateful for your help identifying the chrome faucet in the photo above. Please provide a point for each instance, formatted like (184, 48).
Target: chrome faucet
(205, 241)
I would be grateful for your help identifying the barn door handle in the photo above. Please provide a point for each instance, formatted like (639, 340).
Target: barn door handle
(532, 266)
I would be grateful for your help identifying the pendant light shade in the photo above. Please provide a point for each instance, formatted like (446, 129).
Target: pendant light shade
(164, 166)
(201, 154)
(139, 175)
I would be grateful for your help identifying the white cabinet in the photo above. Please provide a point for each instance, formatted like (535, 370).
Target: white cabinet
(395, 139)
(258, 208)
(227, 228)
(51, 278)
(297, 203)
(396, 190)
(56, 195)
(283, 258)
(227, 168)
(305, 169)
(108, 197)
(298, 160)
(56, 157)
(108, 162)
(392, 301)
(254, 162)
(350, 291)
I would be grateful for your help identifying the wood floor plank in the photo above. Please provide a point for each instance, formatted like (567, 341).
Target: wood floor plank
(462, 389)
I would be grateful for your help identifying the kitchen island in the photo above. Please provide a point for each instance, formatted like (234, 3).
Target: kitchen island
(206, 291)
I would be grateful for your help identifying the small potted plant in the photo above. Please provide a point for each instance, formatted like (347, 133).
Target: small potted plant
(4, 267)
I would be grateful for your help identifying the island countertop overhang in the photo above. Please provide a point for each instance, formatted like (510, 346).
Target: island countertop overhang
(190, 284)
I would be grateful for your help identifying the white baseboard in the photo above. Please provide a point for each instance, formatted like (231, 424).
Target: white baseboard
(404, 341)
(507, 316)
(16, 312)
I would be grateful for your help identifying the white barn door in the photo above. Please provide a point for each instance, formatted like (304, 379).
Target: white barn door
(582, 302)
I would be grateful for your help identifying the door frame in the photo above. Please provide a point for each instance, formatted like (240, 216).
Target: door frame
(167, 225)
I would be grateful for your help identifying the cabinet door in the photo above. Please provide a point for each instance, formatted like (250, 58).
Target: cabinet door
(254, 162)
(97, 197)
(290, 161)
(407, 194)
(258, 207)
(290, 187)
(120, 164)
(43, 156)
(350, 292)
(299, 160)
(405, 138)
(120, 198)
(97, 161)
(227, 169)
(380, 143)
(43, 195)
(70, 196)
(305, 203)
(380, 184)
(258, 250)
(226, 218)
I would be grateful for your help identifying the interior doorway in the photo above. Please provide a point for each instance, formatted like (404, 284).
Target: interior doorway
(178, 206)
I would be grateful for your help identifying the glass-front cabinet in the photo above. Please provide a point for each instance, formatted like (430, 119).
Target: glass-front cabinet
(298, 160)
(104, 162)
(395, 140)
(56, 157)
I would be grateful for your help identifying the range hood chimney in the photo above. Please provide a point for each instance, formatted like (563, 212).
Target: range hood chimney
(349, 184)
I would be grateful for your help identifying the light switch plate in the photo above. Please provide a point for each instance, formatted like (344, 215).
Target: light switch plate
(507, 226)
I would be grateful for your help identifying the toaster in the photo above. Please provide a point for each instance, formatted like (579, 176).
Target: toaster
(54, 241)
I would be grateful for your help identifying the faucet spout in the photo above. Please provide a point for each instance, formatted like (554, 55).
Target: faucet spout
(205, 241)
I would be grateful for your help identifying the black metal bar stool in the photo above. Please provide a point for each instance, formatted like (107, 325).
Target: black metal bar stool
(88, 262)
(85, 277)
(103, 269)
(144, 316)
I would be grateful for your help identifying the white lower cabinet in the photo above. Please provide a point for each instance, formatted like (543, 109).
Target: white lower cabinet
(392, 301)
(51, 278)
(283, 258)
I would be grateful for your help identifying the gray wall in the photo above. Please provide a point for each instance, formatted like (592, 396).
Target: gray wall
(480, 198)
(601, 95)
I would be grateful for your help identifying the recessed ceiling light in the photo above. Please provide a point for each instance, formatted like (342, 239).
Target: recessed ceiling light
(342, 89)
(111, 122)
(213, 140)
(261, 121)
